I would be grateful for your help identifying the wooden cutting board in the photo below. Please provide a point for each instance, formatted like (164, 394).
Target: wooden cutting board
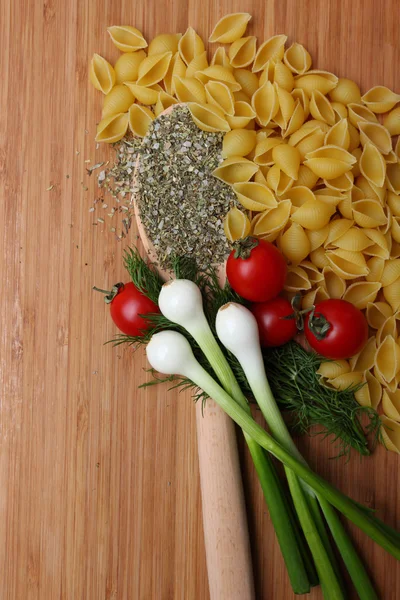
(99, 480)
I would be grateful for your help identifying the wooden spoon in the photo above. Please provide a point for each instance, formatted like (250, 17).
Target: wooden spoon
(226, 536)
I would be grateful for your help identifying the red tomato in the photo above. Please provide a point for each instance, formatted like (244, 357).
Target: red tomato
(256, 270)
(341, 327)
(126, 306)
(274, 329)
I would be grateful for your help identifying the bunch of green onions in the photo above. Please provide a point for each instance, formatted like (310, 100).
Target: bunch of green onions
(302, 524)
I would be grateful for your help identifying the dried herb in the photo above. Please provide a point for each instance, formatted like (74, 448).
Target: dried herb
(182, 206)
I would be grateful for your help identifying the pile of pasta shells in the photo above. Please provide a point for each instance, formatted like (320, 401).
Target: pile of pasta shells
(314, 163)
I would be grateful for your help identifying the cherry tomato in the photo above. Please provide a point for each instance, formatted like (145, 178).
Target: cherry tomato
(336, 329)
(256, 270)
(126, 306)
(274, 329)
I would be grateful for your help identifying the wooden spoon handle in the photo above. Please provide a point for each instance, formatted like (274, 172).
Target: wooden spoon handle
(229, 566)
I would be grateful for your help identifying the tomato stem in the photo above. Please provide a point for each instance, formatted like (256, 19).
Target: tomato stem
(318, 324)
(110, 295)
(244, 247)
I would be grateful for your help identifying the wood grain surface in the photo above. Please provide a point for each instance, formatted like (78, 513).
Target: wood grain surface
(99, 491)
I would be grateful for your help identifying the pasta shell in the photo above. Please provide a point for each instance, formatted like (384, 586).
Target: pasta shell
(268, 73)
(316, 123)
(333, 368)
(286, 105)
(236, 225)
(208, 117)
(357, 152)
(346, 92)
(240, 96)
(387, 359)
(144, 95)
(230, 28)
(344, 183)
(388, 327)
(358, 112)
(101, 74)
(321, 108)
(297, 59)
(127, 66)
(306, 177)
(190, 45)
(299, 195)
(393, 177)
(380, 99)
(296, 120)
(242, 52)
(164, 101)
(127, 38)
(376, 134)
(283, 77)
(329, 162)
(347, 381)
(379, 247)
(372, 165)
(395, 250)
(177, 68)
(235, 169)
(370, 393)
(165, 42)
(368, 213)
(247, 80)
(318, 258)
(153, 69)
(330, 196)
(354, 137)
(345, 207)
(393, 201)
(391, 272)
(346, 264)
(337, 229)
(314, 297)
(140, 119)
(391, 434)
(218, 73)
(340, 111)
(265, 103)
(354, 239)
(287, 158)
(375, 266)
(392, 294)
(271, 222)
(238, 142)
(271, 49)
(112, 129)
(377, 313)
(189, 89)
(278, 181)
(243, 115)
(198, 63)
(369, 190)
(220, 58)
(313, 214)
(362, 292)
(260, 176)
(254, 196)
(317, 237)
(294, 243)
(301, 96)
(323, 81)
(391, 404)
(339, 135)
(118, 100)
(392, 121)
(263, 151)
(395, 229)
(334, 284)
(297, 279)
(311, 140)
(314, 274)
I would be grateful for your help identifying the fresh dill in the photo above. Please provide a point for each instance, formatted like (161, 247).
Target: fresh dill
(292, 371)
